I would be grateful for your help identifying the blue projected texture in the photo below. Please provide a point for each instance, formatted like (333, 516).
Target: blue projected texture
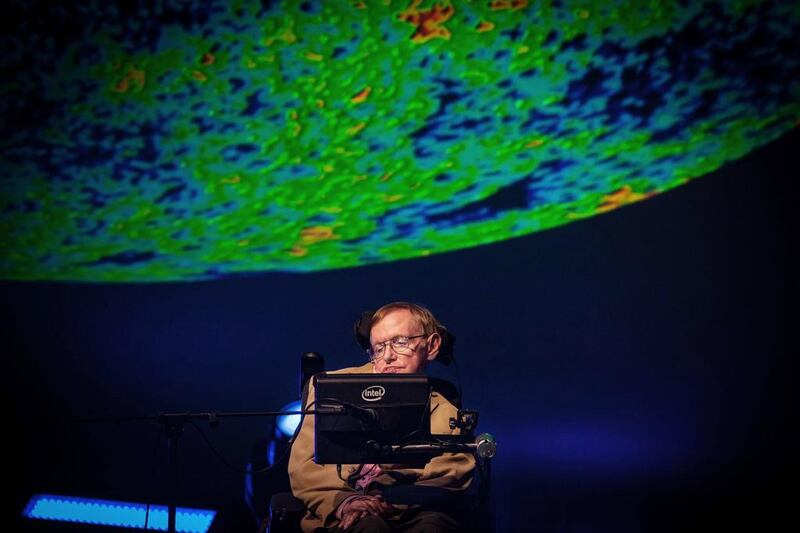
(159, 141)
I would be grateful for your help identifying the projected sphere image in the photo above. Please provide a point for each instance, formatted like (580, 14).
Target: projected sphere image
(185, 141)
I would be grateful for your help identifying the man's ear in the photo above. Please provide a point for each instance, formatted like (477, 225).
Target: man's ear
(434, 344)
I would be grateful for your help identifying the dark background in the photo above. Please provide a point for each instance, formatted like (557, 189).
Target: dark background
(632, 366)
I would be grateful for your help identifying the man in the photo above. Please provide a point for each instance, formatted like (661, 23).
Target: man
(404, 338)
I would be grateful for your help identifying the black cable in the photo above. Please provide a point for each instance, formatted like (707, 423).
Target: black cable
(225, 462)
(421, 419)
(300, 424)
(275, 462)
(338, 465)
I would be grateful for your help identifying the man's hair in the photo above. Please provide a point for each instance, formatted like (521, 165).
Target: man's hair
(423, 316)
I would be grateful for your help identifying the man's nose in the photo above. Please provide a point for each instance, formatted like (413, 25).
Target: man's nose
(389, 352)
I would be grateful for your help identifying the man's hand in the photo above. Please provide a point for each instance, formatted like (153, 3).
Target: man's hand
(355, 509)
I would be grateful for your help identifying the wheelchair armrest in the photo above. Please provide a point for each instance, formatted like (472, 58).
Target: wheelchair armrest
(285, 513)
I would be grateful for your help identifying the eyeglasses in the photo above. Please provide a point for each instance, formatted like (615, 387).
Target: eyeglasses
(400, 345)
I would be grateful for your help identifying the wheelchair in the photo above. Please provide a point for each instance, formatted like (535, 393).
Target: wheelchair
(473, 506)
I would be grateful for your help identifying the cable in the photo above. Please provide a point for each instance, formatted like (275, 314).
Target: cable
(276, 461)
(225, 462)
(421, 419)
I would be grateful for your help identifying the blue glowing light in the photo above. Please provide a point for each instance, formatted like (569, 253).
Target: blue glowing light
(287, 424)
(114, 513)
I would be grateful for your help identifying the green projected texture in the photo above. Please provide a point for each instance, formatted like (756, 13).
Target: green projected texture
(187, 141)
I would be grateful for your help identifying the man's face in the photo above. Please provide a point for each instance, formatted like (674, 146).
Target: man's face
(401, 323)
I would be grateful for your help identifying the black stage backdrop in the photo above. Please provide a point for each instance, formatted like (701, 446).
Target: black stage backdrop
(632, 366)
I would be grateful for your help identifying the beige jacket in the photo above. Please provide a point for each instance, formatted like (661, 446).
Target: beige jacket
(321, 489)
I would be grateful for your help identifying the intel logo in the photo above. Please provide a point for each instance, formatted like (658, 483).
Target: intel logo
(373, 393)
